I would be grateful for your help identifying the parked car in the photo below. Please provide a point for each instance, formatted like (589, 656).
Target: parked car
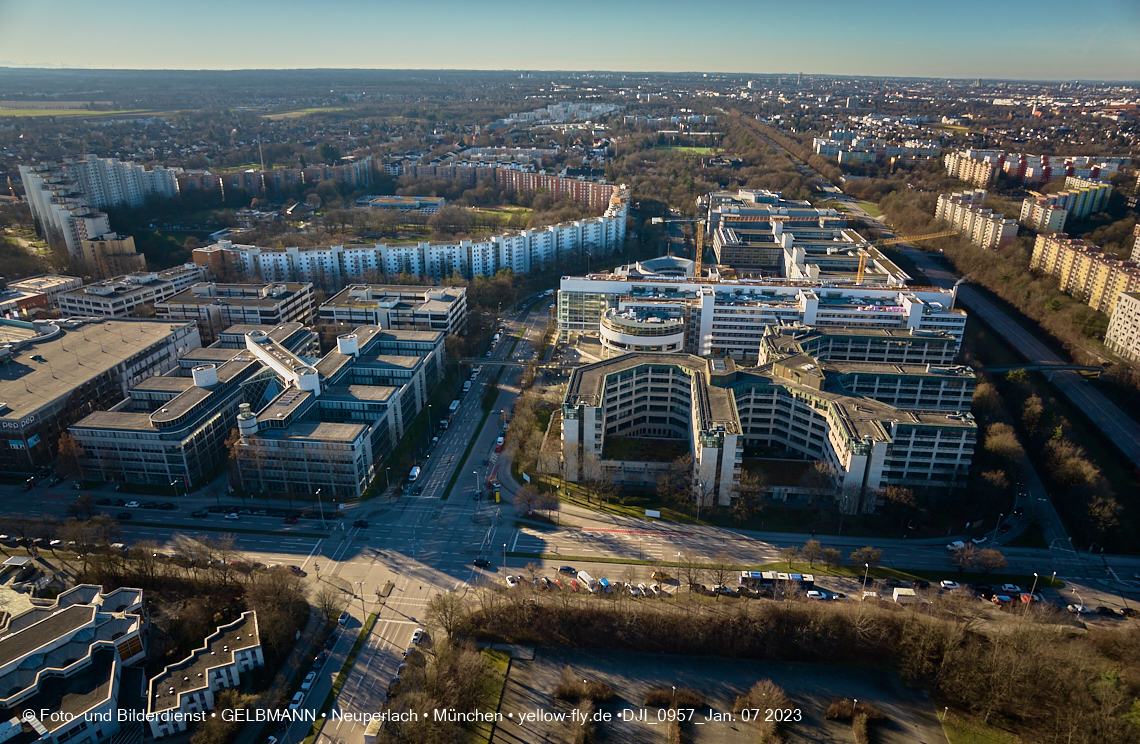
(1004, 528)
(657, 591)
(814, 594)
(418, 636)
(1078, 609)
(567, 569)
(1010, 589)
(331, 640)
(150, 505)
(512, 581)
(167, 506)
(979, 540)
(307, 683)
(947, 584)
(289, 520)
(1106, 611)
(956, 545)
(132, 505)
(1002, 600)
(661, 576)
(103, 502)
(124, 516)
(298, 699)
(296, 570)
(343, 619)
(320, 659)
(232, 516)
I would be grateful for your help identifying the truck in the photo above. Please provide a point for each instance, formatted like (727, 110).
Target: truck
(453, 408)
(415, 473)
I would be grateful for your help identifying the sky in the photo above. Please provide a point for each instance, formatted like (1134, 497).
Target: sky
(1006, 39)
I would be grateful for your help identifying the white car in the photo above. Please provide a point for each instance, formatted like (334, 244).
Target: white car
(298, 699)
(131, 505)
(644, 591)
(947, 584)
(232, 515)
(512, 581)
(813, 594)
(1079, 609)
(656, 590)
(307, 684)
(979, 540)
(418, 636)
(1011, 588)
(956, 545)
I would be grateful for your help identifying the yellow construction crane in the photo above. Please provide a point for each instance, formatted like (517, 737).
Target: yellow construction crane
(893, 241)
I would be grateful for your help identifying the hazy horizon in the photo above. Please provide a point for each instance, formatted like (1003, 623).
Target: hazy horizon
(1018, 40)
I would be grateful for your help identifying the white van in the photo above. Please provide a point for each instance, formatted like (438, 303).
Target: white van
(414, 474)
(467, 386)
(588, 581)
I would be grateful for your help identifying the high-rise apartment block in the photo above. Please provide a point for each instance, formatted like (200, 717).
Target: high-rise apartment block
(1085, 272)
(981, 167)
(981, 227)
(1123, 336)
(65, 196)
(1082, 197)
(111, 255)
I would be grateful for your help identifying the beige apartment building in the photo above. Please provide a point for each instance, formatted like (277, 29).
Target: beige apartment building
(1123, 336)
(111, 255)
(1085, 272)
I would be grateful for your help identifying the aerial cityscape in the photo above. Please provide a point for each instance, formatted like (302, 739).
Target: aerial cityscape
(619, 389)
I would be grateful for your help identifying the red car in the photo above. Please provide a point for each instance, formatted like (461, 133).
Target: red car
(498, 448)
(290, 520)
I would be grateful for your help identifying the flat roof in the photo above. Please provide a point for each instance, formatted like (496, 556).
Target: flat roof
(39, 634)
(317, 431)
(73, 695)
(72, 358)
(44, 283)
(371, 393)
(374, 361)
(189, 297)
(192, 673)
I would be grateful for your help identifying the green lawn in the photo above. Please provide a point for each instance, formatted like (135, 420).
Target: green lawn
(870, 208)
(962, 730)
(65, 112)
(644, 450)
(303, 112)
(499, 663)
(687, 150)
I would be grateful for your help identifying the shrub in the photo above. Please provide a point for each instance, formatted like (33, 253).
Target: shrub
(764, 696)
(573, 690)
(846, 710)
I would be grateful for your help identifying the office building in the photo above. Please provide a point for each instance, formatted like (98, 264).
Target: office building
(53, 373)
(307, 421)
(728, 317)
(61, 664)
(758, 209)
(398, 307)
(18, 303)
(1123, 336)
(65, 196)
(216, 307)
(127, 294)
(1085, 272)
(189, 686)
(799, 252)
(874, 424)
(111, 255)
(49, 285)
(963, 212)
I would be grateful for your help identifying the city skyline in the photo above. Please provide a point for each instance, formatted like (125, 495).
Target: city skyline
(974, 40)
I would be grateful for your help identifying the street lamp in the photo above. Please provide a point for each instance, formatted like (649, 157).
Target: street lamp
(431, 421)
(174, 483)
(996, 526)
(504, 555)
(387, 483)
(866, 572)
(1034, 589)
(362, 607)
(475, 473)
(320, 505)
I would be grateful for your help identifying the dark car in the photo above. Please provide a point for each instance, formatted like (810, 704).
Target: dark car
(167, 506)
(200, 514)
(150, 505)
(566, 569)
(921, 584)
(219, 509)
(119, 502)
(1129, 612)
(331, 641)
(297, 570)
(123, 516)
(103, 502)
(1004, 528)
(1106, 611)
(892, 583)
(360, 523)
(481, 563)
(1019, 511)
(320, 659)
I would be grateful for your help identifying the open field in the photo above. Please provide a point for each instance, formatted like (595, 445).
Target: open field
(303, 112)
(687, 150)
(811, 687)
(25, 112)
(870, 208)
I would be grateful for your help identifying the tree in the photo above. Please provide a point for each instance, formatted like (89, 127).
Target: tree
(832, 557)
(70, 456)
(811, 551)
(690, 569)
(597, 482)
(990, 560)
(331, 601)
(866, 555)
(447, 611)
(789, 556)
(721, 569)
(82, 508)
(525, 499)
(675, 485)
(749, 495)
